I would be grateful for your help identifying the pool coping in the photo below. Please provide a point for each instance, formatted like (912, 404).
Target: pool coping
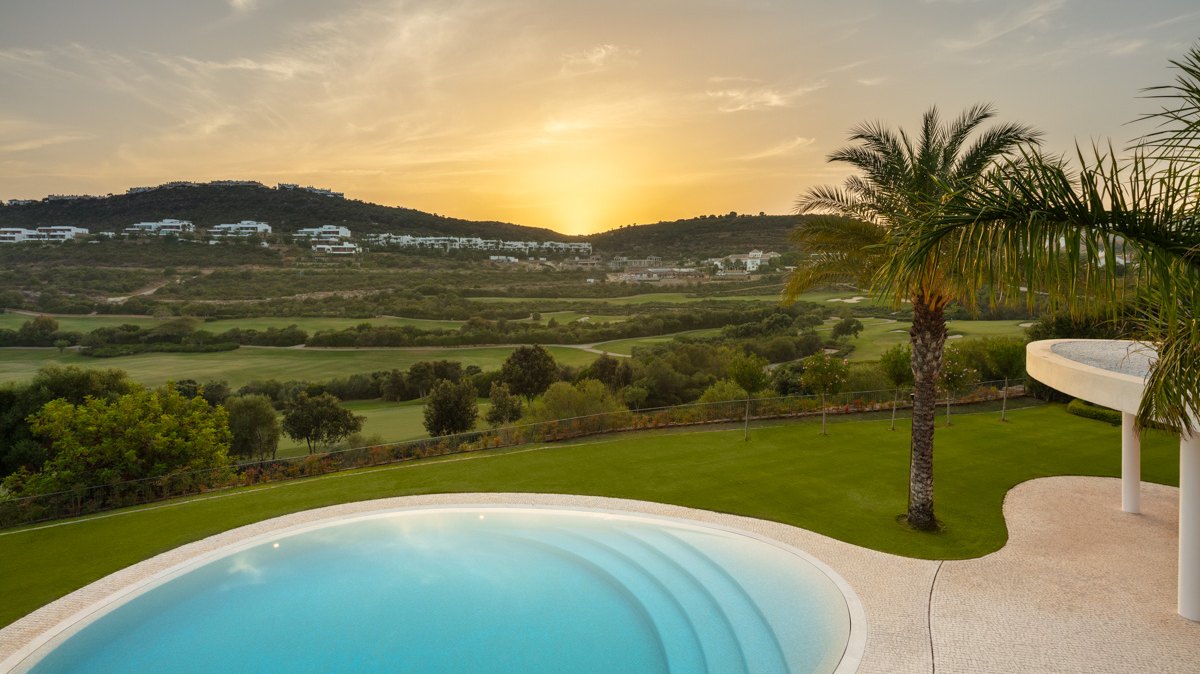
(100, 599)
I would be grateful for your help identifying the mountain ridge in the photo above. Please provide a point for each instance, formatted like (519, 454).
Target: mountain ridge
(207, 205)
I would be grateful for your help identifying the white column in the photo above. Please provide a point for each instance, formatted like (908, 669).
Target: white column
(1131, 465)
(1189, 527)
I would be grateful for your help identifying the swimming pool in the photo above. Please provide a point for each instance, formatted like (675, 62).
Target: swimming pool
(476, 589)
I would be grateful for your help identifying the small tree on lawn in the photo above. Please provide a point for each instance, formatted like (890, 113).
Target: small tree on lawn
(254, 426)
(847, 327)
(825, 375)
(451, 408)
(1006, 357)
(505, 407)
(529, 371)
(957, 377)
(896, 364)
(319, 420)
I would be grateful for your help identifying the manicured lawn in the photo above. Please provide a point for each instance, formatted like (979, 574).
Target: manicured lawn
(879, 335)
(246, 364)
(13, 321)
(313, 324)
(309, 324)
(645, 298)
(564, 317)
(851, 485)
(626, 346)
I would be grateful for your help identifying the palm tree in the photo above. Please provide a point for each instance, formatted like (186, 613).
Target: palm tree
(901, 190)
(1037, 222)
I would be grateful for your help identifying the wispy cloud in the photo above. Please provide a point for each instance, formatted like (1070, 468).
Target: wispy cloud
(1126, 47)
(242, 5)
(784, 148)
(990, 30)
(738, 99)
(597, 58)
(27, 144)
(871, 81)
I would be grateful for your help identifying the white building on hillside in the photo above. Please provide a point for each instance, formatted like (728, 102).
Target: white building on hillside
(323, 234)
(15, 234)
(56, 233)
(478, 243)
(749, 262)
(62, 232)
(241, 229)
(309, 188)
(337, 248)
(161, 228)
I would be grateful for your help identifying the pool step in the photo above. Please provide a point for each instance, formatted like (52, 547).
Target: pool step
(706, 619)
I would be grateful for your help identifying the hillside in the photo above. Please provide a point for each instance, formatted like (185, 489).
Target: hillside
(699, 238)
(289, 210)
(285, 210)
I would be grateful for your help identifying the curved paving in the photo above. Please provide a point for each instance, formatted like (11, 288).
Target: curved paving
(1080, 586)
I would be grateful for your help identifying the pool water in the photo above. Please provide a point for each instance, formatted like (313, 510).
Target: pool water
(477, 590)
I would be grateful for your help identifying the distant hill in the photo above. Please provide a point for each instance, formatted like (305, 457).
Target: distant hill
(285, 210)
(703, 237)
(289, 210)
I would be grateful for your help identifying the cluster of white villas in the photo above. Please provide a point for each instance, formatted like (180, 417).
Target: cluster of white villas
(56, 233)
(477, 243)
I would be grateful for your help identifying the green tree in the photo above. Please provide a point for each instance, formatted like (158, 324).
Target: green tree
(1006, 357)
(561, 400)
(451, 408)
(749, 372)
(61, 345)
(529, 371)
(725, 390)
(140, 434)
(393, 387)
(896, 365)
(318, 420)
(504, 407)
(824, 374)
(253, 425)
(847, 327)
(634, 396)
(900, 193)
(957, 377)
(615, 373)
(38, 331)
(74, 384)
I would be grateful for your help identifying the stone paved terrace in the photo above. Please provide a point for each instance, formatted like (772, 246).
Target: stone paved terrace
(1080, 587)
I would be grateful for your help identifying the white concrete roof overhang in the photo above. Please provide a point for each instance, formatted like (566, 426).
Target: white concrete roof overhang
(1106, 372)
(1113, 373)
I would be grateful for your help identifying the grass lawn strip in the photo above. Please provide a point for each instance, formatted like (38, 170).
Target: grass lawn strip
(850, 485)
(246, 364)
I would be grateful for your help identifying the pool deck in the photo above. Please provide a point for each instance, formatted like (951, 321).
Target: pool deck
(1080, 586)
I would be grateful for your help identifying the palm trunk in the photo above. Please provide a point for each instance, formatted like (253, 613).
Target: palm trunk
(928, 338)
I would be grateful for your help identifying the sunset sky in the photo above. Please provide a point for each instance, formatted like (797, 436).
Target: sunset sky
(575, 115)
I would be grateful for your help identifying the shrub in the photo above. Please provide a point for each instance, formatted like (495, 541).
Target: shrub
(1082, 408)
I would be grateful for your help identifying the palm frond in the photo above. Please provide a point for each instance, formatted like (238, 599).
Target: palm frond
(1176, 136)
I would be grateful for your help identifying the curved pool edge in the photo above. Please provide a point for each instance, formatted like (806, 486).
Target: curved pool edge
(60, 618)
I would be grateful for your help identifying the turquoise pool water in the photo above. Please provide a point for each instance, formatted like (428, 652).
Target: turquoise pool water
(478, 590)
